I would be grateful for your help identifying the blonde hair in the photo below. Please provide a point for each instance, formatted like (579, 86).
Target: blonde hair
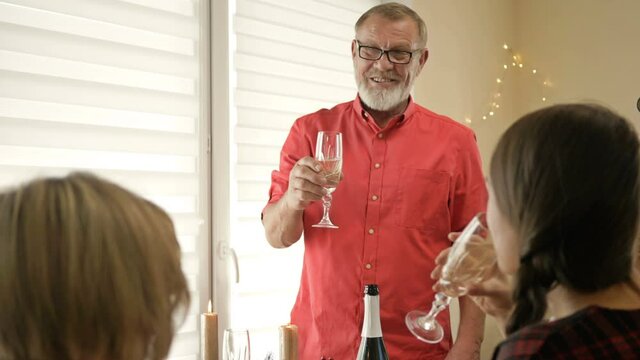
(395, 11)
(87, 270)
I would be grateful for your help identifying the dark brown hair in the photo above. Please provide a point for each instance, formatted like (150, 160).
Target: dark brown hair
(567, 179)
(87, 270)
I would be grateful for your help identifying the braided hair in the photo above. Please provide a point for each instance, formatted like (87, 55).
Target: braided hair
(567, 179)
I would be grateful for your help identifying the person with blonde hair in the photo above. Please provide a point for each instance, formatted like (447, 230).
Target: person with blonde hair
(88, 270)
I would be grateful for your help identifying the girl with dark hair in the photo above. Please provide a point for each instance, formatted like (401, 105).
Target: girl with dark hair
(564, 215)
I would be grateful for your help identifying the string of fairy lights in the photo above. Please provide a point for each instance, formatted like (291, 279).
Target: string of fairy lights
(513, 62)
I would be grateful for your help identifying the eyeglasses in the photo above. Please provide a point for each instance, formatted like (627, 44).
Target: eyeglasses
(394, 56)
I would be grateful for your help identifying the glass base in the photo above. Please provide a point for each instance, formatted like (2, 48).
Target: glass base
(325, 224)
(424, 328)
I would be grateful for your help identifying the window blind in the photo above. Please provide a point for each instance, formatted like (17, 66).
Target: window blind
(112, 87)
(290, 58)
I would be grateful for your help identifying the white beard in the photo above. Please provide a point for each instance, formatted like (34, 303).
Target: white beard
(385, 99)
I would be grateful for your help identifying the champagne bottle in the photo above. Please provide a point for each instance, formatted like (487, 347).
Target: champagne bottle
(371, 346)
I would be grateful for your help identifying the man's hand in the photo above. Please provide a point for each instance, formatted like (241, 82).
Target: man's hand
(305, 184)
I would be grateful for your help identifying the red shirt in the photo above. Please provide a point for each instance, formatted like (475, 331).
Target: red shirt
(405, 188)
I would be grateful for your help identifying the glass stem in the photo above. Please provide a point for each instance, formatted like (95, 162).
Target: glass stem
(326, 205)
(440, 303)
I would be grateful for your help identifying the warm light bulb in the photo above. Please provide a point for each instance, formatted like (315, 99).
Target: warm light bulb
(498, 95)
(515, 57)
(490, 113)
(544, 99)
(467, 120)
(498, 80)
(498, 106)
(505, 66)
(534, 71)
(484, 117)
(505, 46)
(520, 65)
(513, 64)
(544, 83)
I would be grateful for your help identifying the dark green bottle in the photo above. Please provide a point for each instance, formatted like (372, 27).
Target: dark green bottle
(372, 346)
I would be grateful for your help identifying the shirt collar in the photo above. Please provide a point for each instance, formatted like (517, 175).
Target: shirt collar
(362, 113)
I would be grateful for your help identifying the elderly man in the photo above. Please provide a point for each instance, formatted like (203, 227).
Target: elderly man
(410, 177)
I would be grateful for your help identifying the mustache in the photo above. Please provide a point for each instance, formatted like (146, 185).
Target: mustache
(385, 75)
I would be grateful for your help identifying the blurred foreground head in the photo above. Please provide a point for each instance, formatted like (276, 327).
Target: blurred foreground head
(88, 270)
(567, 180)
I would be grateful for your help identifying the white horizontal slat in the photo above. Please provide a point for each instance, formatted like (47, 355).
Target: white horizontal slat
(260, 155)
(274, 120)
(249, 239)
(357, 6)
(259, 136)
(138, 182)
(246, 26)
(175, 204)
(295, 53)
(187, 245)
(190, 264)
(89, 159)
(253, 172)
(248, 210)
(100, 30)
(37, 41)
(282, 264)
(294, 88)
(278, 102)
(50, 89)
(184, 345)
(250, 312)
(295, 20)
(42, 65)
(187, 224)
(32, 133)
(190, 324)
(87, 115)
(253, 191)
(285, 69)
(337, 15)
(182, 7)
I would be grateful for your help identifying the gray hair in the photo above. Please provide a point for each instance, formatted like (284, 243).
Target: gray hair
(395, 11)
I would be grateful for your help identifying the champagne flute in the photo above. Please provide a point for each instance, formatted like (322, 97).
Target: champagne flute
(470, 261)
(235, 344)
(329, 154)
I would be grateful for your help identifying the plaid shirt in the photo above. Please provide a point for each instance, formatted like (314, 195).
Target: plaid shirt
(592, 333)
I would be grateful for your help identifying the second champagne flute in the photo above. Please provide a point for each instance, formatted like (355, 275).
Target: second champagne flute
(470, 261)
(235, 344)
(329, 154)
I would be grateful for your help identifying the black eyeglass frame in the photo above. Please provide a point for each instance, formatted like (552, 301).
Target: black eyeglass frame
(382, 52)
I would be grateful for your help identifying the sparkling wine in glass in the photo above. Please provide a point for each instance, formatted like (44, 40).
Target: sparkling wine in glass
(235, 344)
(470, 261)
(329, 154)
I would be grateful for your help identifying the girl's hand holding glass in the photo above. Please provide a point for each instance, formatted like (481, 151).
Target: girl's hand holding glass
(468, 262)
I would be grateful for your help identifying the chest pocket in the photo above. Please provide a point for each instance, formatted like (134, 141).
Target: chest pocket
(422, 199)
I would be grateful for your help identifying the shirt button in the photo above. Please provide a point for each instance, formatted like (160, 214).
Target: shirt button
(377, 165)
(371, 231)
(374, 197)
(380, 136)
(368, 266)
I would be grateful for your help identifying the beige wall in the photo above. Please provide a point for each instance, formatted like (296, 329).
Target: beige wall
(588, 50)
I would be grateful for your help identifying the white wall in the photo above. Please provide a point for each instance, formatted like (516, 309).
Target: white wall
(588, 50)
